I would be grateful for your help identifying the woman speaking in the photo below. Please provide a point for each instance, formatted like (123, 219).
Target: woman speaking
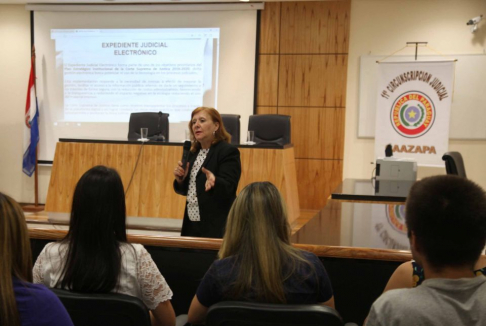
(210, 177)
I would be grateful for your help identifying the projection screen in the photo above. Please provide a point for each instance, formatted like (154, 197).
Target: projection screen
(94, 68)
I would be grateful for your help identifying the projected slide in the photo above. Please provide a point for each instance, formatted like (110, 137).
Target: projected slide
(106, 74)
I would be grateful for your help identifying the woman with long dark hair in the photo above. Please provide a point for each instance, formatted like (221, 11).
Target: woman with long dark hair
(95, 256)
(21, 302)
(257, 261)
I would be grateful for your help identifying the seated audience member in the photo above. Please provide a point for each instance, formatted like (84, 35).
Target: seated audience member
(410, 274)
(95, 256)
(21, 302)
(256, 260)
(446, 220)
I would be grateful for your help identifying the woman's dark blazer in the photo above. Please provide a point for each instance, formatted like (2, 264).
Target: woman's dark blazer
(223, 160)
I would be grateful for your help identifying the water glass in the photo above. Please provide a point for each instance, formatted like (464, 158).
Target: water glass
(250, 138)
(143, 134)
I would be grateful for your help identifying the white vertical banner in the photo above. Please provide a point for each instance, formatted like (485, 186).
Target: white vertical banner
(413, 110)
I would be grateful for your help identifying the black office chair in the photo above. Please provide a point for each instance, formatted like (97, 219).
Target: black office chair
(156, 122)
(104, 309)
(232, 125)
(454, 164)
(270, 128)
(236, 313)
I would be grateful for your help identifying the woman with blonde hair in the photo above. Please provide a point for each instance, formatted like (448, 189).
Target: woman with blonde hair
(21, 302)
(210, 177)
(257, 261)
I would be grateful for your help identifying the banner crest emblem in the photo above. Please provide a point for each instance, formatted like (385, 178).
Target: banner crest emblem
(412, 114)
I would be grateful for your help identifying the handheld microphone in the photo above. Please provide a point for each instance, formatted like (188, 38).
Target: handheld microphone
(185, 153)
(388, 150)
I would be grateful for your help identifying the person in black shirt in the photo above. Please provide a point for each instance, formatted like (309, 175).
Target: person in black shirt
(210, 178)
(257, 261)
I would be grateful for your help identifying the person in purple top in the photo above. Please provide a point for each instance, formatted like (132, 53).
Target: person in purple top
(21, 302)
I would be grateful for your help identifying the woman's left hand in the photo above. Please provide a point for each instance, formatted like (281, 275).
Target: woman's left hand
(210, 179)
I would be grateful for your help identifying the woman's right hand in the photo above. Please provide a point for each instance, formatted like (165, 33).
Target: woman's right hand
(180, 173)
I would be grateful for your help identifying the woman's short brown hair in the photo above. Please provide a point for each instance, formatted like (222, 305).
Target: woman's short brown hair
(219, 135)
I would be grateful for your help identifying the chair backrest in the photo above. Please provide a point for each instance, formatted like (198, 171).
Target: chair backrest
(104, 309)
(232, 125)
(454, 164)
(156, 122)
(270, 128)
(236, 313)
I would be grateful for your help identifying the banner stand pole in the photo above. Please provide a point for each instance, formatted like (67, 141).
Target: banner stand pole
(416, 47)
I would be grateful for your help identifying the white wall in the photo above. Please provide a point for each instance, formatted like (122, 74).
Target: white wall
(377, 27)
(380, 27)
(14, 76)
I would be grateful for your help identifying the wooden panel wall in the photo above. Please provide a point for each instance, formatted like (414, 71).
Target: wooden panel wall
(151, 193)
(302, 69)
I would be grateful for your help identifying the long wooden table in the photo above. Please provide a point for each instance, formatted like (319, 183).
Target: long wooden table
(358, 275)
(151, 166)
(359, 244)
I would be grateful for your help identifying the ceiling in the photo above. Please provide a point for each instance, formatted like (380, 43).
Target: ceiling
(23, 2)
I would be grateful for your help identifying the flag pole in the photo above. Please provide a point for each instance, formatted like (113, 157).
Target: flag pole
(36, 183)
(36, 179)
(36, 207)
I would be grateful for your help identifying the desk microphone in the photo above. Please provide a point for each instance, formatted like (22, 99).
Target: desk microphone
(158, 124)
(388, 150)
(185, 153)
(158, 135)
